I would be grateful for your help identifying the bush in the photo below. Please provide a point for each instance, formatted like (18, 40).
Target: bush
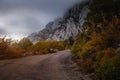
(107, 54)
(76, 48)
(87, 66)
(3, 47)
(102, 45)
(8, 51)
(44, 47)
(14, 52)
(109, 70)
(88, 51)
(25, 43)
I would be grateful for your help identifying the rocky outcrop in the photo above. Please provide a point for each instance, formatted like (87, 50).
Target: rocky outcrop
(63, 28)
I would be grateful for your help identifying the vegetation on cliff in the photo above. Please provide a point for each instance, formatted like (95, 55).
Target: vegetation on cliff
(97, 47)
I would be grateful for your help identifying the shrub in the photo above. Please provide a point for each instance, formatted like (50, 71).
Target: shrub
(100, 38)
(44, 47)
(14, 52)
(107, 54)
(9, 51)
(76, 48)
(3, 47)
(87, 66)
(109, 70)
(88, 51)
(25, 43)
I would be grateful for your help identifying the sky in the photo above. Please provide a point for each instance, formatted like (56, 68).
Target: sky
(19, 18)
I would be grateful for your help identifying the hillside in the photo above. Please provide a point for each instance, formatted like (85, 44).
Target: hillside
(97, 48)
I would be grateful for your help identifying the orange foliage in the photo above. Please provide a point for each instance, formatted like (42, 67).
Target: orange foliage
(7, 50)
(108, 53)
(87, 66)
(44, 47)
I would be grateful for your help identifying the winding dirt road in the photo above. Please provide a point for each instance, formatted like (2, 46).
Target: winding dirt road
(42, 67)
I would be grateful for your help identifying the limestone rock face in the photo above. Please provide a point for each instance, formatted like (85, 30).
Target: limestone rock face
(63, 28)
(64, 32)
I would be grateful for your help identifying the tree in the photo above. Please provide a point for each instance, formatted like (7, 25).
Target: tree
(71, 40)
(25, 43)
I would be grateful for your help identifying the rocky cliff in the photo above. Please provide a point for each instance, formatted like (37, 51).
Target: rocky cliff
(63, 28)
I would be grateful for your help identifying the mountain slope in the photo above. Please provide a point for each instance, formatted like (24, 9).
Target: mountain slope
(63, 28)
(97, 48)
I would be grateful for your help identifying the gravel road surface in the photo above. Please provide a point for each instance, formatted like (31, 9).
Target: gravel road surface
(57, 66)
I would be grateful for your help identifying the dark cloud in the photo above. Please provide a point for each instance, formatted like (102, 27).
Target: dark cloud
(19, 18)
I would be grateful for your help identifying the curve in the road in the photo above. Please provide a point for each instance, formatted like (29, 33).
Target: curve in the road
(45, 67)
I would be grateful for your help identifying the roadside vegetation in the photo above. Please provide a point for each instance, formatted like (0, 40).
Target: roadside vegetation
(15, 49)
(97, 48)
(44, 47)
(9, 51)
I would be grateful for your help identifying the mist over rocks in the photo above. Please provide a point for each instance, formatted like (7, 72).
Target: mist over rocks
(63, 28)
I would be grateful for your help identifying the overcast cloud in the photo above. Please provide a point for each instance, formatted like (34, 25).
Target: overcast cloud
(19, 18)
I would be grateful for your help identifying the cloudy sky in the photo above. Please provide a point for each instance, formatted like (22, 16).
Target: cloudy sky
(19, 18)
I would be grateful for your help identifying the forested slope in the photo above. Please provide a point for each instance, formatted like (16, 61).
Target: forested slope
(98, 47)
